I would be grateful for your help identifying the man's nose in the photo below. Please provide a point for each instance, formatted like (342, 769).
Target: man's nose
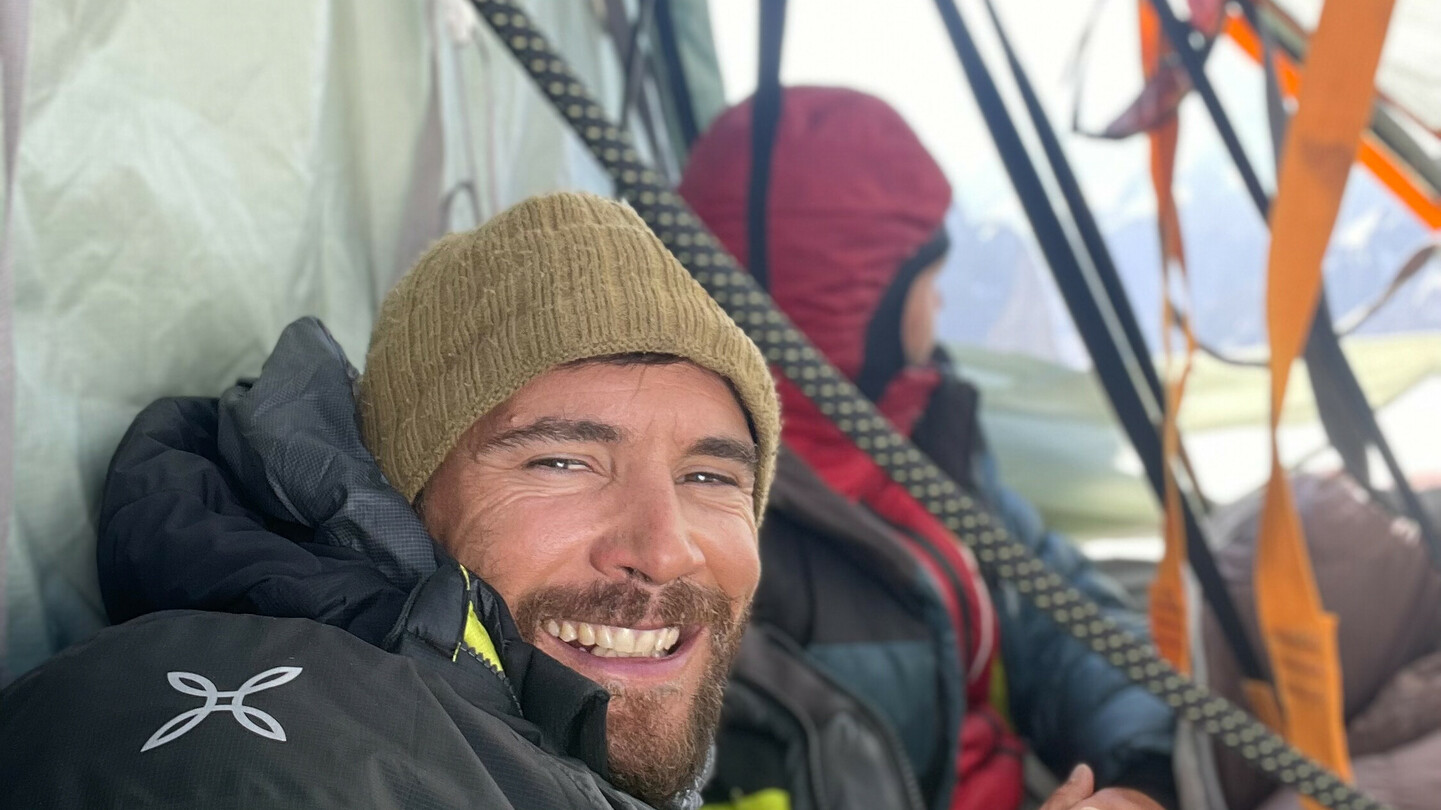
(651, 538)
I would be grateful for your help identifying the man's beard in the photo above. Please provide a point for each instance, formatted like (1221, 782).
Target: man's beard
(652, 757)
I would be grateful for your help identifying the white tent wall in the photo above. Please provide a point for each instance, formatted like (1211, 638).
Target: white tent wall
(14, 44)
(193, 176)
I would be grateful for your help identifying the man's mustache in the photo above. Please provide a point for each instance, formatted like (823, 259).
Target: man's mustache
(627, 604)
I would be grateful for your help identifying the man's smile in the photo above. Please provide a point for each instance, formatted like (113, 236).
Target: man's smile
(607, 641)
(656, 655)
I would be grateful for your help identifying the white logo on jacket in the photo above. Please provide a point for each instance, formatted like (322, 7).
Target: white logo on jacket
(202, 687)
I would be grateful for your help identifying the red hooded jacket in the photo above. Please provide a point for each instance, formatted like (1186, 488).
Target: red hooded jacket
(855, 211)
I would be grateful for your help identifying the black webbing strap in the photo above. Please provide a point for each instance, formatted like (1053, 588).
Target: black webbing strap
(1144, 434)
(1347, 435)
(630, 50)
(1179, 35)
(1351, 425)
(765, 118)
(675, 74)
(1346, 416)
(790, 351)
(633, 63)
(1080, 210)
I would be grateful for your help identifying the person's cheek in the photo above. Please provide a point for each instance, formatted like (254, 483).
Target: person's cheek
(732, 554)
(536, 540)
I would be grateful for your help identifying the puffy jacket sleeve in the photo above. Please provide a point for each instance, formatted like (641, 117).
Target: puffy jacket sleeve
(175, 532)
(1069, 704)
(266, 502)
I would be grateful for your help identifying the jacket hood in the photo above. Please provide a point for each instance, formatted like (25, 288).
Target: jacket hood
(855, 210)
(265, 502)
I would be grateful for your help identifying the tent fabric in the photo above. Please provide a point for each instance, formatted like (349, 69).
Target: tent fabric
(698, 61)
(1058, 444)
(1410, 72)
(14, 47)
(194, 177)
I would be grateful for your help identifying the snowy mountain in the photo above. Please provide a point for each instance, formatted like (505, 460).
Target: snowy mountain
(999, 293)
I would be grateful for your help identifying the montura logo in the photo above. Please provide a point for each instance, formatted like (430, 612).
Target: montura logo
(248, 716)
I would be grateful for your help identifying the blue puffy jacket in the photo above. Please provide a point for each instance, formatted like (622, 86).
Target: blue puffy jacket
(1069, 704)
(864, 614)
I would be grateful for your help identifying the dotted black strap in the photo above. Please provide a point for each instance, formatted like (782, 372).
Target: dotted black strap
(789, 350)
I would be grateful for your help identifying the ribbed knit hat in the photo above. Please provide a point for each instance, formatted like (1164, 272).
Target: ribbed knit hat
(555, 279)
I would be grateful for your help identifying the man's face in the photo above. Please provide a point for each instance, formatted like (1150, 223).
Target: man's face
(611, 506)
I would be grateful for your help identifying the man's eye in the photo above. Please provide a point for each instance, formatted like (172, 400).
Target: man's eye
(557, 464)
(710, 478)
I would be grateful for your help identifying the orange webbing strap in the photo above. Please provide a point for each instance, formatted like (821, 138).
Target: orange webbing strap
(1372, 153)
(1334, 105)
(1169, 626)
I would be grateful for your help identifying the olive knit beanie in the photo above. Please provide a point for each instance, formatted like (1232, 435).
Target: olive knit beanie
(555, 279)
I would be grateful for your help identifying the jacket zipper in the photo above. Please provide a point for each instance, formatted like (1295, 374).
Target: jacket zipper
(472, 598)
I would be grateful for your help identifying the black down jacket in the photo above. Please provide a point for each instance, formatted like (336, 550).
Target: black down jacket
(290, 637)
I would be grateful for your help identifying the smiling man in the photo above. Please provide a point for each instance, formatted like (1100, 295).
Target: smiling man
(596, 446)
(611, 503)
(509, 566)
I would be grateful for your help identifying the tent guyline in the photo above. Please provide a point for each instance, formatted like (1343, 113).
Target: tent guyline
(784, 346)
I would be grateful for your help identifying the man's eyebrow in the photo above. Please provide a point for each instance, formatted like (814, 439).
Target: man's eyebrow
(727, 448)
(551, 429)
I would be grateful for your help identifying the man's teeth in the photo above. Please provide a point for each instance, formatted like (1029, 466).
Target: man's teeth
(615, 642)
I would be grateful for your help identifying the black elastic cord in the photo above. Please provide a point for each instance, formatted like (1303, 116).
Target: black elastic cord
(675, 74)
(634, 65)
(765, 118)
(1179, 35)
